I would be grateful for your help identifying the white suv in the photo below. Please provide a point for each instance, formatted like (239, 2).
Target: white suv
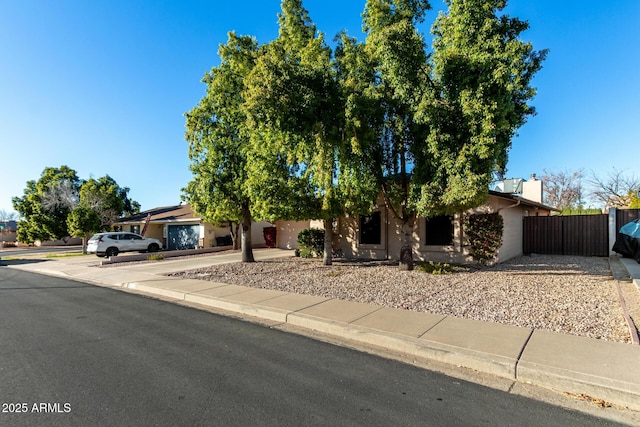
(111, 244)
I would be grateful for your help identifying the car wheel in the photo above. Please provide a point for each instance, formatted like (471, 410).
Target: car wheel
(153, 247)
(112, 252)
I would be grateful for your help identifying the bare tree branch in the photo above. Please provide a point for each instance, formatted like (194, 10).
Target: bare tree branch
(563, 189)
(615, 190)
(62, 194)
(8, 216)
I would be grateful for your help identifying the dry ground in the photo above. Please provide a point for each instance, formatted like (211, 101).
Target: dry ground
(572, 295)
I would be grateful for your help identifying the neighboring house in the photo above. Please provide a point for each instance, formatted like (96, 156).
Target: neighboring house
(178, 227)
(9, 233)
(438, 239)
(8, 230)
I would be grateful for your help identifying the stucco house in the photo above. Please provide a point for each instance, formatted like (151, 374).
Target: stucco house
(439, 239)
(178, 227)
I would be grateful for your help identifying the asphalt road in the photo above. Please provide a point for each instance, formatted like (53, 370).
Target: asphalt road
(76, 354)
(11, 252)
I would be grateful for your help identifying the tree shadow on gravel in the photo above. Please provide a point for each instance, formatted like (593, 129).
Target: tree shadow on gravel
(558, 265)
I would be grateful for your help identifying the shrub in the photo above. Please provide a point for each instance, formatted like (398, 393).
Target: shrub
(484, 234)
(156, 257)
(436, 268)
(311, 242)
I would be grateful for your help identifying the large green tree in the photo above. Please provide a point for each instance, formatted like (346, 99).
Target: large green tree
(306, 157)
(481, 86)
(449, 114)
(218, 137)
(82, 222)
(48, 202)
(397, 51)
(107, 199)
(45, 205)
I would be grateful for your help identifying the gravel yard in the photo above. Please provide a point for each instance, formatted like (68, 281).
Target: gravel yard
(572, 295)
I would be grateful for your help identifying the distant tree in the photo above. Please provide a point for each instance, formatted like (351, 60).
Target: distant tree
(563, 189)
(61, 194)
(82, 222)
(307, 157)
(616, 190)
(7, 216)
(107, 199)
(218, 137)
(580, 211)
(634, 199)
(45, 205)
(48, 202)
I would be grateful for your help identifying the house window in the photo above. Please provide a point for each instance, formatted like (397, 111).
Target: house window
(439, 230)
(370, 229)
(117, 228)
(135, 229)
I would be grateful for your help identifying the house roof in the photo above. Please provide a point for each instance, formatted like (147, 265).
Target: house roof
(10, 226)
(522, 200)
(163, 214)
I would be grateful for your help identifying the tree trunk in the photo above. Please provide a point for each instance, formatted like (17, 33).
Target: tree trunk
(234, 235)
(246, 246)
(328, 244)
(85, 239)
(406, 251)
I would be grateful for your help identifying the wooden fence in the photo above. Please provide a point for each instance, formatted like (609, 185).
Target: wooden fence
(624, 216)
(586, 235)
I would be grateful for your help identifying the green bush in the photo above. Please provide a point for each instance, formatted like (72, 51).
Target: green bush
(310, 243)
(484, 234)
(436, 268)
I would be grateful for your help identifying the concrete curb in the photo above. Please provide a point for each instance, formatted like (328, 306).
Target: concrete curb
(583, 365)
(577, 365)
(551, 360)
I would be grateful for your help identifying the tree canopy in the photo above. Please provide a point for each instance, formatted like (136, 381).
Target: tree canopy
(563, 189)
(218, 136)
(307, 157)
(47, 204)
(478, 98)
(323, 130)
(107, 199)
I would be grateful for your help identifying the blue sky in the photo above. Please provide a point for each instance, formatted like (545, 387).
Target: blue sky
(101, 86)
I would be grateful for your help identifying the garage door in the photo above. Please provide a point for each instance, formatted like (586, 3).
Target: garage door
(183, 237)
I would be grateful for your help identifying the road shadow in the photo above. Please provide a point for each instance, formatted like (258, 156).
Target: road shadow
(8, 262)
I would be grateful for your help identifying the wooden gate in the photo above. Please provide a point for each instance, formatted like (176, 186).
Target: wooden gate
(585, 235)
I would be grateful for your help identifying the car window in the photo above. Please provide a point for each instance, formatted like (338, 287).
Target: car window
(126, 237)
(113, 236)
(95, 237)
(136, 237)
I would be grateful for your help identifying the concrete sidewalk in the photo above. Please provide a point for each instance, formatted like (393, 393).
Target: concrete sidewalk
(633, 268)
(600, 369)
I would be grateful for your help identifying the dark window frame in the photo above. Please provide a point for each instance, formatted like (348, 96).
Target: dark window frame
(371, 229)
(442, 230)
